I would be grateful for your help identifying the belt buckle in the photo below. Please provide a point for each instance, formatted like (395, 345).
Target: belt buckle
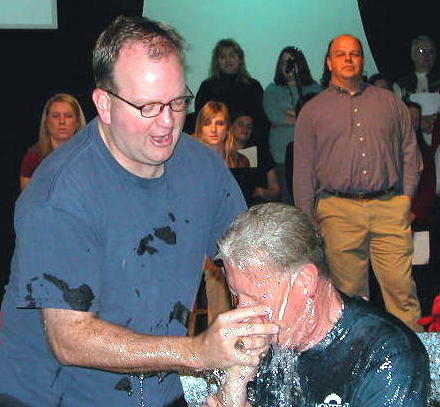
(362, 196)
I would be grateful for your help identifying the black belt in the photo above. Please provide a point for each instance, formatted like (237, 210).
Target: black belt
(360, 195)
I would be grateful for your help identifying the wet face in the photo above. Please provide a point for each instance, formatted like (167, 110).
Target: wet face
(260, 284)
(228, 60)
(242, 129)
(423, 54)
(139, 144)
(61, 122)
(345, 60)
(214, 130)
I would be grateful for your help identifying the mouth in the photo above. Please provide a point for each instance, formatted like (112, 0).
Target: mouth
(162, 140)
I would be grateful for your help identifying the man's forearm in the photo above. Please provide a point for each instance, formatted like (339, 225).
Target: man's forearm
(81, 339)
(98, 344)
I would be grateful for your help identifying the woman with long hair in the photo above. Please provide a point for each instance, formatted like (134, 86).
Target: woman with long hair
(213, 129)
(230, 82)
(62, 117)
(292, 81)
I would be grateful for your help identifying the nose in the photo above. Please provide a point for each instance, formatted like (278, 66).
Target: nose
(165, 118)
(62, 119)
(348, 57)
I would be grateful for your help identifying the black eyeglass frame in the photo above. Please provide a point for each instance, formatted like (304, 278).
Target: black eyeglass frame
(189, 98)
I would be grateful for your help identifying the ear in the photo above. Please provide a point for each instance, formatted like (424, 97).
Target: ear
(308, 276)
(103, 103)
(329, 65)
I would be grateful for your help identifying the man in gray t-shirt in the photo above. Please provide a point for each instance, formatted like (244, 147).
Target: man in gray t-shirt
(112, 233)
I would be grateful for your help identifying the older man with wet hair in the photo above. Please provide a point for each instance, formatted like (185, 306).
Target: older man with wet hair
(331, 350)
(112, 233)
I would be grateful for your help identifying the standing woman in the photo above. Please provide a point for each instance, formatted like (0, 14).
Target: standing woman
(62, 117)
(230, 83)
(213, 129)
(292, 81)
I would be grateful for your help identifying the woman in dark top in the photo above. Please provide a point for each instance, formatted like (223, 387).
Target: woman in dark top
(230, 83)
(265, 185)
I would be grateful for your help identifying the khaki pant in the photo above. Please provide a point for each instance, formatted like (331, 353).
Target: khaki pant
(356, 231)
(217, 291)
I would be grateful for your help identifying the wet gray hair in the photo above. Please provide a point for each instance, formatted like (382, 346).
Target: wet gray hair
(275, 233)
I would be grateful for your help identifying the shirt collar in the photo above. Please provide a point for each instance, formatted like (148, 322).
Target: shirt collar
(363, 85)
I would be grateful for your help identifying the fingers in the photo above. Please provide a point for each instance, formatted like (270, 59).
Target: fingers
(257, 343)
(244, 313)
(255, 329)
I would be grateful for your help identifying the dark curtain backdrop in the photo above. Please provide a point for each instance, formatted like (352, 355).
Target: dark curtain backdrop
(390, 25)
(37, 64)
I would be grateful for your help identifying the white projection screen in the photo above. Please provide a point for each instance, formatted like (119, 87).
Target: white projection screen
(28, 14)
(262, 28)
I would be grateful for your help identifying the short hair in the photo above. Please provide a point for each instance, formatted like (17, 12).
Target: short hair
(242, 74)
(326, 74)
(305, 77)
(274, 233)
(207, 113)
(421, 38)
(158, 38)
(44, 143)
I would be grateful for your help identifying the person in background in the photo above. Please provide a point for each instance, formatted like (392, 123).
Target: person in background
(213, 129)
(379, 80)
(267, 186)
(62, 117)
(356, 169)
(292, 81)
(423, 78)
(230, 82)
(422, 119)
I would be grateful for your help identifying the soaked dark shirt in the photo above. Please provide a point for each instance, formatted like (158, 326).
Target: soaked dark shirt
(93, 237)
(354, 143)
(368, 359)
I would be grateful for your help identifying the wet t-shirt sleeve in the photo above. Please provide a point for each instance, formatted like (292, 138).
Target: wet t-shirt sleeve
(58, 258)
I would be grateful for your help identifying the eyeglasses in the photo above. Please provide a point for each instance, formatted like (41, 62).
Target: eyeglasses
(427, 51)
(153, 109)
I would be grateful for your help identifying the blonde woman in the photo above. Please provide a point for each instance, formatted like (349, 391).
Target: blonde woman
(213, 129)
(62, 117)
